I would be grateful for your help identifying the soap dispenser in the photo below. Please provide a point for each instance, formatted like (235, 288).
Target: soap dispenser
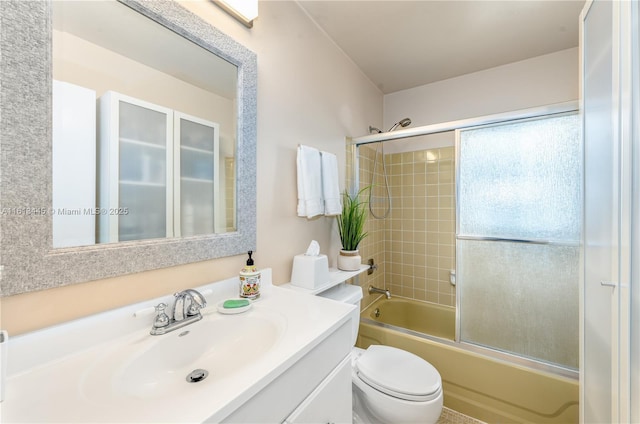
(250, 280)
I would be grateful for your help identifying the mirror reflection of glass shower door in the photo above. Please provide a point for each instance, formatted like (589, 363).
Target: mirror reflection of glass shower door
(197, 173)
(518, 237)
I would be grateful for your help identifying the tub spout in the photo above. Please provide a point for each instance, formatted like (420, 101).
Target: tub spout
(385, 292)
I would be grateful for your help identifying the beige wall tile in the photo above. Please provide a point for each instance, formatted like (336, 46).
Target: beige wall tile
(447, 153)
(407, 158)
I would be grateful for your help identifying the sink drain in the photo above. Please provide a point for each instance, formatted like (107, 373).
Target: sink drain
(197, 375)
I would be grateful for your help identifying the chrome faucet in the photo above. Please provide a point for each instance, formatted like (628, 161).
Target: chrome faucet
(385, 292)
(187, 304)
(186, 310)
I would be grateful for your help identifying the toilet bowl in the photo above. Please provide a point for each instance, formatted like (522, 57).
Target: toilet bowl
(389, 385)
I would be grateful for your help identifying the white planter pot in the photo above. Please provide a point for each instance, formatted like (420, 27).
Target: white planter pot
(349, 260)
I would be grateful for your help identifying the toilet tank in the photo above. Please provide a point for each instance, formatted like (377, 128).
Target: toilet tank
(347, 293)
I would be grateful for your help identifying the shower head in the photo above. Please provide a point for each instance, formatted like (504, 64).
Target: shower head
(374, 130)
(402, 123)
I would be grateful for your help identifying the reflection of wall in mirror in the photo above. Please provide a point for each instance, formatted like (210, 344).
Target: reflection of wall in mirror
(86, 64)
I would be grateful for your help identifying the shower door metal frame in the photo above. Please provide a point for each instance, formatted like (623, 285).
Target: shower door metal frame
(497, 353)
(354, 143)
(610, 367)
(353, 175)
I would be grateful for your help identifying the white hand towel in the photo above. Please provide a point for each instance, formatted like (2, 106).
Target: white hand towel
(310, 202)
(330, 187)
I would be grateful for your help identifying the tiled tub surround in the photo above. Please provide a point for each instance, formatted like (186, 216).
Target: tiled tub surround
(414, 246)
(374, 245)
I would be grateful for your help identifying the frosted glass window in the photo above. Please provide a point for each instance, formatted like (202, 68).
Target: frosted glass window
(521, 180)
(520, 298)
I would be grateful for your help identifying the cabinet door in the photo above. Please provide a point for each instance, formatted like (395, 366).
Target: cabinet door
(330, 402)
(74, 165)
(197, 175)
(135, 187)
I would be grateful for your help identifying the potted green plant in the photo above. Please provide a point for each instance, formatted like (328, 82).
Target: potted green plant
(351, 230)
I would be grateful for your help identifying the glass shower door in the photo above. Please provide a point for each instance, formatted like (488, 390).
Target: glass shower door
(518, 237)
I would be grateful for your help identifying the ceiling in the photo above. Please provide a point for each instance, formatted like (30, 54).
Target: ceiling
(405, 44)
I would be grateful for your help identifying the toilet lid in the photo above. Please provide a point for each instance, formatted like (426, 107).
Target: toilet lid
(398, 373)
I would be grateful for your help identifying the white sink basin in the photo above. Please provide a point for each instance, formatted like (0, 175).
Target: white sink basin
(146, 366)
(107, 368)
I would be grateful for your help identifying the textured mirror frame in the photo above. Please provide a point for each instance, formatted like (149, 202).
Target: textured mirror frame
(28, 261)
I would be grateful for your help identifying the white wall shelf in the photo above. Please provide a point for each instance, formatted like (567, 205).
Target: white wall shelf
(336, 277)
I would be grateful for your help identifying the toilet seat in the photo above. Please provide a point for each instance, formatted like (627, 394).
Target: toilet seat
(398, 373)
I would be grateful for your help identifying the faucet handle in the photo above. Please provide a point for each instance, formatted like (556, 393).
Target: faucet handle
(194, 309)
(196, 302)
(162, 319)
(195, 305)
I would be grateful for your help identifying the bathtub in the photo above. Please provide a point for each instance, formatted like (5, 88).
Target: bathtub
(492, 390)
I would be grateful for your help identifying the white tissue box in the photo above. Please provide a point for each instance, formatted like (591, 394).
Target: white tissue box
(310, 272)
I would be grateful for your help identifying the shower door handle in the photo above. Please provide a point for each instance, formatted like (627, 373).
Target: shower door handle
(608, 284)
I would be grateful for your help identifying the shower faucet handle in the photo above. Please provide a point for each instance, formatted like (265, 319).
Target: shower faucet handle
(372, 266)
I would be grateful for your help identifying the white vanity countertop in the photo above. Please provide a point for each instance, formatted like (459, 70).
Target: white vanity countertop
(55, 375)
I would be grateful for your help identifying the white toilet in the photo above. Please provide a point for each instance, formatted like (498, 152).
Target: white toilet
(389, 385)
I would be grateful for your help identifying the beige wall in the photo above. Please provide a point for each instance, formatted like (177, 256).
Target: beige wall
(539, 81)
(308, 92)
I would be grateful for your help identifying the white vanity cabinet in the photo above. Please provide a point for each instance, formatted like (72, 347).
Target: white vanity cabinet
(315, 389)
(285, 359)
(330, 402)
(157, 171)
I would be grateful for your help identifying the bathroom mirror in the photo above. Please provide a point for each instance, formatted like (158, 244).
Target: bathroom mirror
(144, 129)
(30, 180)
